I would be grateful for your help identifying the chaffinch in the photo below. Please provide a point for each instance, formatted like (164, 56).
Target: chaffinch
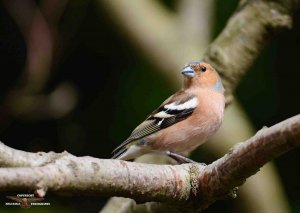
(182, 122)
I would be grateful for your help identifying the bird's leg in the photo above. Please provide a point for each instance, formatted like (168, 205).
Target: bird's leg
(179, 158)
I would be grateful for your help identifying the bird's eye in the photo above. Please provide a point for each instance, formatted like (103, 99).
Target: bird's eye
(203, 69)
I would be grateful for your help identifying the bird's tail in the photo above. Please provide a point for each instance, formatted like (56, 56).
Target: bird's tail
(121, 149)
(118, 153)
(131, 151)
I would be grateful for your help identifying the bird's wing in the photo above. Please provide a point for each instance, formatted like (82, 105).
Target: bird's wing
(35, 199)
(176, 108)
(15, 198)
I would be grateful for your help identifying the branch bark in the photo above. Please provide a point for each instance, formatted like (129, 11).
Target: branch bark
(177, 184)
(248, 31)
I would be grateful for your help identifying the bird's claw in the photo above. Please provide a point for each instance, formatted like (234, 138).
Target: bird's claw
(180, 159)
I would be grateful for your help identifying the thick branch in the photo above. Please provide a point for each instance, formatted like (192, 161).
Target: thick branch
(245, 159)
(180, 184)
(247, 32)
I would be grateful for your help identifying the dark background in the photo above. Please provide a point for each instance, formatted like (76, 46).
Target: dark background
(117, 87)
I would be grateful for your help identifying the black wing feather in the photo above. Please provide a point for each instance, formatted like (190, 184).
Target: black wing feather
(153, 124)
(141, 131)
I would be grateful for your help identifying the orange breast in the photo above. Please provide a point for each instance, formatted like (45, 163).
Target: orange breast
(188, 134)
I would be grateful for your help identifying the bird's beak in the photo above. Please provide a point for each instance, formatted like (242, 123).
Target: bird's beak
(188, 71)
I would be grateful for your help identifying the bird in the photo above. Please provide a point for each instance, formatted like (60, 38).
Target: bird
(25, 202)
(183, 121)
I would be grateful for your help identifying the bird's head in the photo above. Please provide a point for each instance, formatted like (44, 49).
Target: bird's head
(203, 75)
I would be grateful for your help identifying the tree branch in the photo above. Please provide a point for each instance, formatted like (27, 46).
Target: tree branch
(247, 32)
(180, 184)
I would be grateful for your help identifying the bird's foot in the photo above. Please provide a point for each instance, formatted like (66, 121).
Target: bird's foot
(232, 193)
(179, 158)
